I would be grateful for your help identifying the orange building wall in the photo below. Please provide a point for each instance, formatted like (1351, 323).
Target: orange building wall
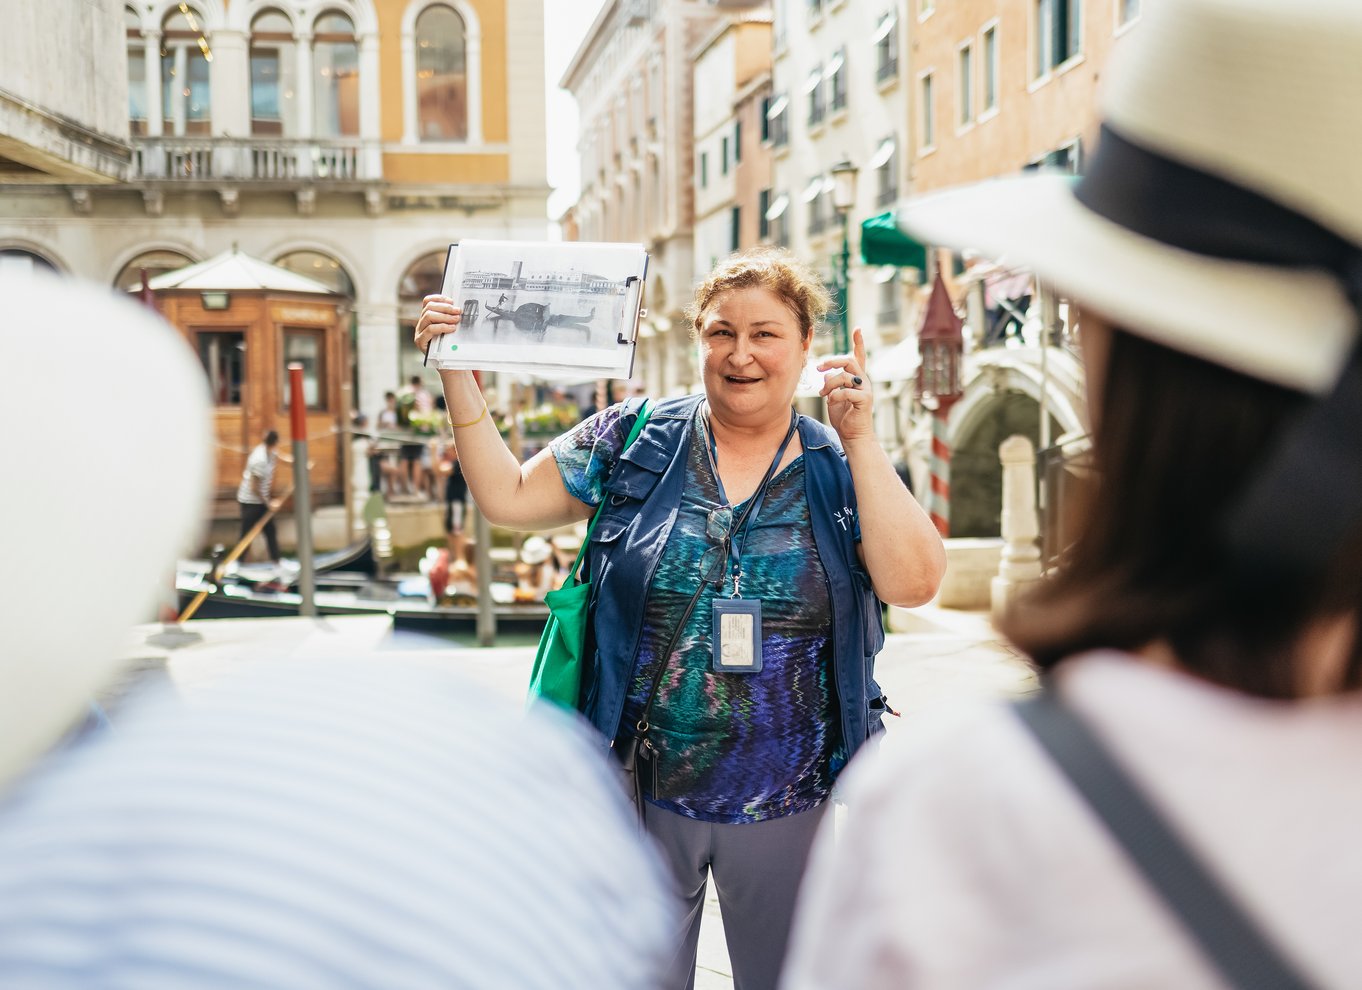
(1032, 118)
(427, 168)
(419, 168)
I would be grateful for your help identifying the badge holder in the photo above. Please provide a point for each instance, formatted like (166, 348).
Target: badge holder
(737, 635)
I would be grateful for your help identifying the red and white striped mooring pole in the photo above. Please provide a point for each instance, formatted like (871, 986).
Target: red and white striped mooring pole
(942, 344)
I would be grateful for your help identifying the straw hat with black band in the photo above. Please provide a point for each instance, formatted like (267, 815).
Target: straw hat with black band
(1221, 216)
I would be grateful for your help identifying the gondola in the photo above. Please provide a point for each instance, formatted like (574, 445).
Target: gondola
(261, 590)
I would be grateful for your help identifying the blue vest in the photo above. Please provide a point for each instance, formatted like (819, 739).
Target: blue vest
(642, 497)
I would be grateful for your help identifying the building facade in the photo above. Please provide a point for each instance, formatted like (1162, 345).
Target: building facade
(732, 78)
(839, 94)
(76, 130)
(1002, 87)
(633, 82)
(349, 140)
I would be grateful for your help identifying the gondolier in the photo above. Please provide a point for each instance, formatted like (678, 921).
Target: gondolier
(254, 493)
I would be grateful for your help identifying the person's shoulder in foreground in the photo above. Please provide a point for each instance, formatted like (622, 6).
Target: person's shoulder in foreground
(349, 825)
(967, 860)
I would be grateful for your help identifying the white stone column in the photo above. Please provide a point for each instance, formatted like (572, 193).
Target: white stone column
(410, 125)
(474, 87)
(376, 351)
(1021, 555)
(178, 99)
(303, 42)
(370, 165)
(229, 73)
(152, 41)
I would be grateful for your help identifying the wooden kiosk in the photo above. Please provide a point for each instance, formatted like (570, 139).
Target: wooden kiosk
(247, 321)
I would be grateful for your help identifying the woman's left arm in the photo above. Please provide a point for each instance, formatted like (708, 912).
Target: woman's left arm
(899, 545)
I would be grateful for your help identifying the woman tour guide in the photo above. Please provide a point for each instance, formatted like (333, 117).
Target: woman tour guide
(742, 518)
(1203, 632)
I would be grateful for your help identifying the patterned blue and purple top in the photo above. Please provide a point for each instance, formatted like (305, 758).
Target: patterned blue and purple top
(736, 747)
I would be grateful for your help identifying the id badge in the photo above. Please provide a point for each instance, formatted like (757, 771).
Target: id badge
(737, 635)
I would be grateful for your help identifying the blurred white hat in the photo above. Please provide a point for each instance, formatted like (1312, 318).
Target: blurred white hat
(535, 550)
(92, 530)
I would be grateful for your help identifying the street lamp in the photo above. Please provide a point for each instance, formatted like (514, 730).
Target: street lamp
(843, 199)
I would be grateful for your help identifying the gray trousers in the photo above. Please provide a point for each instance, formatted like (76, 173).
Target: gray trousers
(757, 869)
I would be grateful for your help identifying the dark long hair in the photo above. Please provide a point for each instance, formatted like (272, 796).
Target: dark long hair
(1177, 438)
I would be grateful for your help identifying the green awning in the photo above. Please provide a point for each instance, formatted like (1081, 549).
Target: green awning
(883, 243)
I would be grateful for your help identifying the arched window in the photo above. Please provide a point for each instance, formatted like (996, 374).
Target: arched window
(425, 277)
(185, 55)
(321, 268)
(19, 260)
(441, 75)
(137, 74)
(274, 64)
(155, 262)
(335, 67)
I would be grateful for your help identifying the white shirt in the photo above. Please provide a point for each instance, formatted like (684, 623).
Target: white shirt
(330, 824)
(259, 466)
(966, 860)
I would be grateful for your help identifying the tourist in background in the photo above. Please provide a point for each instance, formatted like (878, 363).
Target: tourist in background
(253, 495)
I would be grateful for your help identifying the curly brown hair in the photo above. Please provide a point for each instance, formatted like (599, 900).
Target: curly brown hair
(774, 269)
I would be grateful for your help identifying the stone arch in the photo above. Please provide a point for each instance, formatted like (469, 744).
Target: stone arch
(214, 16)
(123, 259)
(242, 13)
(1002, 399)
(353, 270)
(392, 277)
(41, 251)
(360, 12)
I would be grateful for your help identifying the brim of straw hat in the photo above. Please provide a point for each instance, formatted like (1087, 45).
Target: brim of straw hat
(1289, 326)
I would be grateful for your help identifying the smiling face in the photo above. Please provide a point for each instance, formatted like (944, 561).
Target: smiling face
(752, 350)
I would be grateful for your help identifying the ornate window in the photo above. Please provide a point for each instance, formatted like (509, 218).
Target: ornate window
(185, 54)
(335, 70)
(274, 75)
(441, 75)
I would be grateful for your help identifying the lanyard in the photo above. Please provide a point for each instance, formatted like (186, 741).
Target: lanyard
(739, 532)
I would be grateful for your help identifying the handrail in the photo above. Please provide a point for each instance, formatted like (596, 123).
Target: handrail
(237, 551)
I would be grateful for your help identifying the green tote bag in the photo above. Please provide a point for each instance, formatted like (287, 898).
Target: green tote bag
(557, 673)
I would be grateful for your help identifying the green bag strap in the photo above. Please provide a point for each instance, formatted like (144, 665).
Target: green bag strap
(640, 418)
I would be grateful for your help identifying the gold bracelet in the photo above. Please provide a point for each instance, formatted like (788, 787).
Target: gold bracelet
(471, 422)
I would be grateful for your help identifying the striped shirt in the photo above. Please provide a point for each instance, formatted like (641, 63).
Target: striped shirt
(346, 825)
(259, 466)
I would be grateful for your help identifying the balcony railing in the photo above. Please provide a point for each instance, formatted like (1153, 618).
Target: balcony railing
(262, 159)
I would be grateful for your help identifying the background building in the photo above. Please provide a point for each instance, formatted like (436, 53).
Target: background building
(732, 70)
(348, 140)
(632, 79)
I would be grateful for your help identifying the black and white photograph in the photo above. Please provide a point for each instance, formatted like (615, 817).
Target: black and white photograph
(548, 308)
